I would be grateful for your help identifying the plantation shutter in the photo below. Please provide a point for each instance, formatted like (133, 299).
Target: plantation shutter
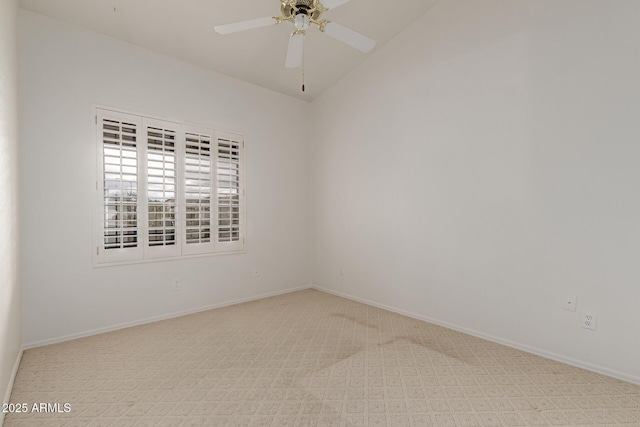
(162, 235)
(230, 193)
(119, 154)
(166, 190)
(198, 190)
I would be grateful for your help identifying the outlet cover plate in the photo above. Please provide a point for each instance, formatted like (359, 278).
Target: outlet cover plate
(570, 303)
(589, 321)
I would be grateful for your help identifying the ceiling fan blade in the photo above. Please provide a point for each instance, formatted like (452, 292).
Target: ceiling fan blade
(349, 37)
(332, 4)
(244, 25)
(295, 51)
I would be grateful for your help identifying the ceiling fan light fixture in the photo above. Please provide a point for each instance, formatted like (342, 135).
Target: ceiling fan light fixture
(303, 13)
(302, 21)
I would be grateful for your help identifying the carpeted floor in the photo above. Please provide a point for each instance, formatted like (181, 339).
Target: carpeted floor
(308, 359)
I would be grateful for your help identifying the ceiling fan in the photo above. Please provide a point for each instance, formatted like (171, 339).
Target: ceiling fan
(303, 13)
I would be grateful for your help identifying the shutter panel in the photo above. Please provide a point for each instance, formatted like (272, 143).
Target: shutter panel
(198, 185)
(230, 193)
(119, 152)
(161, 188)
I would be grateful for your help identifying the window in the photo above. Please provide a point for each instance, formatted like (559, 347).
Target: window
(167, 190)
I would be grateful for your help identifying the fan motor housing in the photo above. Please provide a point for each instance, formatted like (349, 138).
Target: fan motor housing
(310, 8)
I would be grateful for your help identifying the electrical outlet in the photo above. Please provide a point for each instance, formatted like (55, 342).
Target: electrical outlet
(589, 321)
(341, 271)
(570, 303)
(177, 285)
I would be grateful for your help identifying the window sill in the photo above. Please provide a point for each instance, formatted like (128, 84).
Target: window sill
(97, 264)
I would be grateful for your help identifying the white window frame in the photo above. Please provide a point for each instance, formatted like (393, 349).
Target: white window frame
(180, 250)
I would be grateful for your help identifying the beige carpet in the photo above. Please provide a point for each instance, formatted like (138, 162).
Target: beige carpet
(309, 359)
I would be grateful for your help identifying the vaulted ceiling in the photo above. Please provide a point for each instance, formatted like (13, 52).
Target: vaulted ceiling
(184, 30)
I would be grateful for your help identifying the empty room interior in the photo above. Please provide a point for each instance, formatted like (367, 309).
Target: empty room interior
(320, 213)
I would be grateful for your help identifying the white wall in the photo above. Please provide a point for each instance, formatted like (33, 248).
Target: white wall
(64, 70)
(10, 304)
(484, 165)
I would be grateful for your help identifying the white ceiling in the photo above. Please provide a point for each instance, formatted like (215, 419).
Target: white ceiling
(184, 29)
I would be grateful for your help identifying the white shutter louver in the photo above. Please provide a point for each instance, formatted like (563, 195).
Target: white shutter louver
(121, 235)
(230, 227)
(198, 185)
(162, 234)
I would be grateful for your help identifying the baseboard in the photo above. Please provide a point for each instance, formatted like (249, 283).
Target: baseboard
(12, 379)
(97, 331)
(533, 350)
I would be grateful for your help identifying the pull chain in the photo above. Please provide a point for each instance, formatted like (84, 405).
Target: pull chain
(303, 65)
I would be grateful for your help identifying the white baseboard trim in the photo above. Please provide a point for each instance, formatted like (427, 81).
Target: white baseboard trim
(12, 379)
(97, 331)
(533, 350)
